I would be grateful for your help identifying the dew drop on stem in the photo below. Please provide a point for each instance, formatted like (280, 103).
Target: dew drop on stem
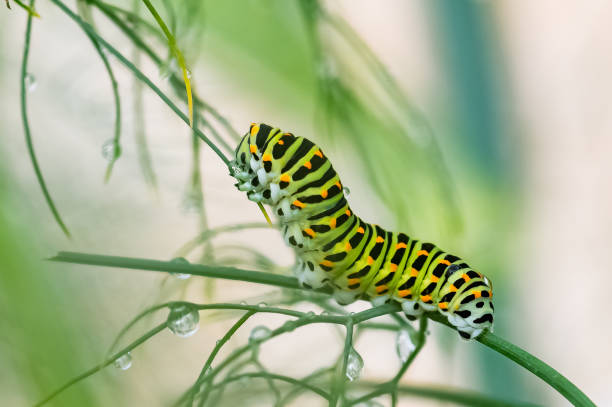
(183, 320)
(180, 261)
(354, 365)
(30, 82)
(123, 362)
(111, 150)
(404, 345)
(258, 334)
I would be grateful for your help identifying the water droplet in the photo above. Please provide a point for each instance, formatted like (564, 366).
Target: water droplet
(354, 365)
(310, 315)
(188, 74)
(243, 303)
(30, 82)
(258, 334)
(325, 313)
(123, 362)
(346, 191)
(180, 261)
(262, 304)
(404, 345)
(183, 320)
(111, 150)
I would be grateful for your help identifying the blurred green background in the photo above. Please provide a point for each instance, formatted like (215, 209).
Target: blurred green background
(481, 126)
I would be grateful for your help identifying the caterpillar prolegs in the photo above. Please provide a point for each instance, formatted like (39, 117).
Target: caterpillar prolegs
(335, 247)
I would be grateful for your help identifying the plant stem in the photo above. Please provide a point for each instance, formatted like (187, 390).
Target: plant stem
(107, 362)
(513, 352)
(140, 75)
(26, 126)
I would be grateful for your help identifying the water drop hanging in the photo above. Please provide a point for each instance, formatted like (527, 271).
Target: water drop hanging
(346, 191)
(183, 320)
(404, 345)
(354, 365)
(123, 362)
(30, 82)
(180, 261)
(258, 334)
(110, 150)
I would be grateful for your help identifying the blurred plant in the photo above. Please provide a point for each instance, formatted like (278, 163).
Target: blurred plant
(338, 384)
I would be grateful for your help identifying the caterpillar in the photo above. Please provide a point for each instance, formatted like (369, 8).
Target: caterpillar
(335, 247)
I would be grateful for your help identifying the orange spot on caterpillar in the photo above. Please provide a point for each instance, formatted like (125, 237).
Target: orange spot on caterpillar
(360, 230)
(370, 260)
(281, 142)
(379, 239)
(425, 298)
(422, 252)
(308, 165)
(400, 246)
(253, 148)
(465, 277)
(348, 212)
(266, 157)
(381, 288)
(392, 267)
(476, 294)
(348, 246)
(434, 279)
(452, 288)
(414, 272)
(404, 293)
(309, 232)
(326, 263)
(339, 185)
(254, 129)
(443, 305)
(332, 223)
(324, 193)
(285, 178)
(490, 293)
(352, 281)
(319, 153)
(445, 262)
(299, 204)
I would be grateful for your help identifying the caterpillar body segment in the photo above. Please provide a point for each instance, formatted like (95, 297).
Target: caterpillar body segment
(335, 247)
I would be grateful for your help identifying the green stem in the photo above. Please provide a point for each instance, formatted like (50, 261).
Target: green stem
(514, 353)
(178, 55)
(267, 375)
(340, 378)
(140, 75)
(455, 396)
(26, 126)
(108, 361)
(218, 347)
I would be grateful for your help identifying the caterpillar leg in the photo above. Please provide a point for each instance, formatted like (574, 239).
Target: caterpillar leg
(309, 274)
(412, 309)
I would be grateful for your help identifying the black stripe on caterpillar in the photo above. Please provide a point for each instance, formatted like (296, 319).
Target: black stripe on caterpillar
(335, 247)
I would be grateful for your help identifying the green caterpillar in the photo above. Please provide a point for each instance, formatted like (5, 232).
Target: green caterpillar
(335, 247)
